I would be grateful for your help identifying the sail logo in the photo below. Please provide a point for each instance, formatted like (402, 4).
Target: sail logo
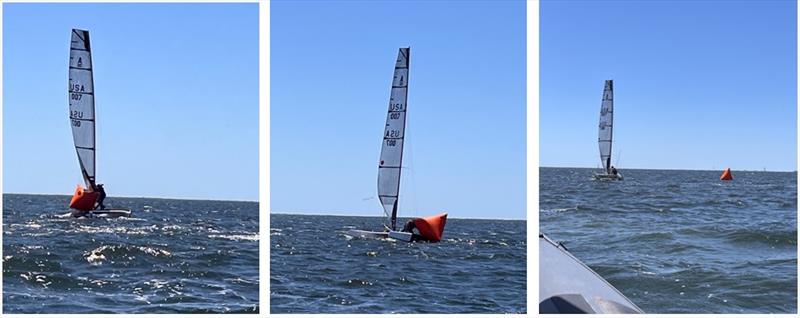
(80, 62)
(604, 111)
(603, 125)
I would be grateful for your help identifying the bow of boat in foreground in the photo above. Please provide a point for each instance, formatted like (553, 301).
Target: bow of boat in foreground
(566, 285)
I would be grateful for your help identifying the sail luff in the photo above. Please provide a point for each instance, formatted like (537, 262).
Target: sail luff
(606, 126)
(82, 104)
(391, 160)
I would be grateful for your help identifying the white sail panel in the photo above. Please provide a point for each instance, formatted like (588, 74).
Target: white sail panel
(82, 104)
(606, 125)
(391, 159)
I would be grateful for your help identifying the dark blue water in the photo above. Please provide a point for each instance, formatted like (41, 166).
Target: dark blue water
(681, 241)
(315, 267)
(173, 256)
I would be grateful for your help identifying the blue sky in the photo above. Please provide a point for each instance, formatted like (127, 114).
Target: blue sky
(697, 84)
(177, 99)
(332, 64)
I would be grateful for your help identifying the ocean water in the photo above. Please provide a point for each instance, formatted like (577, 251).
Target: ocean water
(173, 256)
(315, 267)
(681, 241)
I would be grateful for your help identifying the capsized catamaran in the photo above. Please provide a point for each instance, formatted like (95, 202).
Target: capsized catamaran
(390, 166)
(568, 286)
(606, 134)
(82, 119)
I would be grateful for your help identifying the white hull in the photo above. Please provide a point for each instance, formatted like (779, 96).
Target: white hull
(106, 213)
(603, 176)
(111, 213)
(400, 236)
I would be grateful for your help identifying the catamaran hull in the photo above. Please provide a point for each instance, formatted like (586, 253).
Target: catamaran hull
(111, 213)
(566, 285)
(610, 177)
(106, 213)
(397, 235)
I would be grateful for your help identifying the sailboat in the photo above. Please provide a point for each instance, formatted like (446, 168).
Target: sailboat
(390, 166)
(606, 134)
(82, 119)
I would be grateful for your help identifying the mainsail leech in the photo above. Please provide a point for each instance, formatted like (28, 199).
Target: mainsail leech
(392, 150)
(81, 104)
(606, 128)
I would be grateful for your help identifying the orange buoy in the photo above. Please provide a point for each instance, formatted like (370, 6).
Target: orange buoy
(726, 175)
(432, 227)
(83, 199)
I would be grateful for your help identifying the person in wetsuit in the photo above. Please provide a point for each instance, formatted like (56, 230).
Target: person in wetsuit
(613, 170)
(102, 196)
(409, 227)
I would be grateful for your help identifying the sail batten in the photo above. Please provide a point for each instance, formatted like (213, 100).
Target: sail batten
(82, 104)
(391, 160)
(606, 127)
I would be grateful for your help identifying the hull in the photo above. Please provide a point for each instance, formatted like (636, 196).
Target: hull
(111, 213)
(107, 213)
(566, 285)
(397, 235)
(368, 234)
(603, 176)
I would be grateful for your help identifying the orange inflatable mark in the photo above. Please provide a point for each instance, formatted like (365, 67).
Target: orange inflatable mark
(432, 227)
(726, 175)
(83, 199)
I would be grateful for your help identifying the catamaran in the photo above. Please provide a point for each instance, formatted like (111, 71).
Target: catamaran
(606, 134)
(390, 166)
(83, 121)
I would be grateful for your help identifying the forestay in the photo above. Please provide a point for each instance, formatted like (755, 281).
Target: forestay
(392, 150)
(81, 103)
(606, 125)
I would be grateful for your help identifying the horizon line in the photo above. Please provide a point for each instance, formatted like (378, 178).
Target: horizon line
(141, 197)
(360, 215)
(673, 169)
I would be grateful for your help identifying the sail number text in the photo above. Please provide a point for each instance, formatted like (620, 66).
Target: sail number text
(396, 107)
(393, 134)
(76, 114)
(77, 88)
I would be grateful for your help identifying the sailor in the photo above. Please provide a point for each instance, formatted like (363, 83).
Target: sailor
(409, 227)
(102, 196)
(613, 170)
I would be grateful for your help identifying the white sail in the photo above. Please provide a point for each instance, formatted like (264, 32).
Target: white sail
(606, 125)
(392, 150)
(81, 103)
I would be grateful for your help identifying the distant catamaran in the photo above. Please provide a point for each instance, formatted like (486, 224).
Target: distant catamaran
(606, 134)
(391, 161)
(82, 119)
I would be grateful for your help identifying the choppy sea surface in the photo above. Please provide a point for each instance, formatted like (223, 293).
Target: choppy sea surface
(681, 241)
(316, 267)
(172, 256)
